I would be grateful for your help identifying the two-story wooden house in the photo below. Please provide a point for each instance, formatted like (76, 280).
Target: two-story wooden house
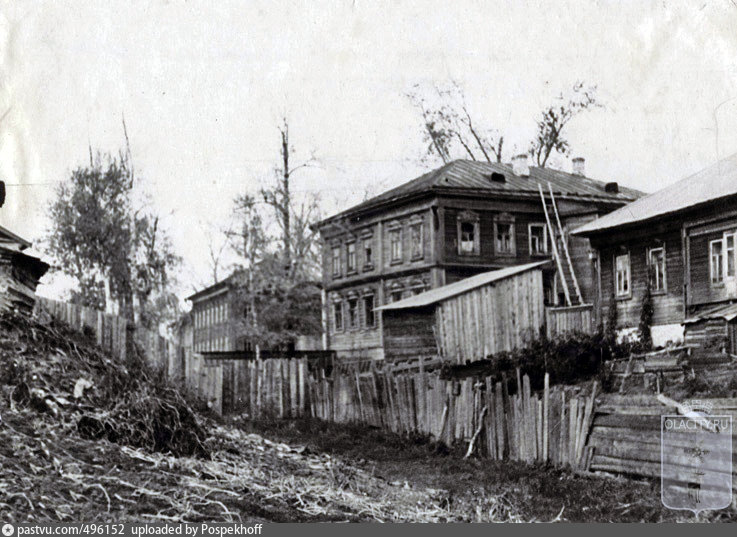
(459, 220)
(681, 242)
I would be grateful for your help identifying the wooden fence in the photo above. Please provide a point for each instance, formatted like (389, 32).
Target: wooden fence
(559, 321)
(112, 334)
(564, 426)
(550, 426)
(274, 387)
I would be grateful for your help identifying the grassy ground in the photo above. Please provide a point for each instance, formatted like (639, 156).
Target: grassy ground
(511, 491)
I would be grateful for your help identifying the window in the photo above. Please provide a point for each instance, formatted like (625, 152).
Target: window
(336, 261)
(338, 315)
(395, 239)
(351, 257)
(468, 233)
(622, 274)
(730, 253)
(503, 238)
(352, 313)
(368, 311)
(656, 269)
(468, 237)
(415, 237)
(538, 239)
(716, 257)
(368, 254)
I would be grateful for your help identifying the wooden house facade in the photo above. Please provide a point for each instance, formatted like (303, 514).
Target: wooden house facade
(679, 242)
(454, 222)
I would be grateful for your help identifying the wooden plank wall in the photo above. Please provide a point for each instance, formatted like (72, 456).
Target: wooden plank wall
(625, 437)
(492, 318)
(559, 321)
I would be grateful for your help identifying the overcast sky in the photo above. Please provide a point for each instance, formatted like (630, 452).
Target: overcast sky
(203, 86)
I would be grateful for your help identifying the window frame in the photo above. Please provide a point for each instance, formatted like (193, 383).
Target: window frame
(717, 267)
(395, 232)
(472, 218)
(419, 244)
(338, 314)
(368, 246)
(505, 219)
(725, 251)
(546, 249)
(336, 261)
(351, 267)
(354, 315)
(367, 312)
(628, 294)
(664, 269)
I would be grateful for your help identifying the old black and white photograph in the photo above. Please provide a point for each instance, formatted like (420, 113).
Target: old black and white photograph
(366, 261)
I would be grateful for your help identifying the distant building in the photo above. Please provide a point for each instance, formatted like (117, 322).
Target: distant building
(216, 319)
(459, 220)
(681, 241)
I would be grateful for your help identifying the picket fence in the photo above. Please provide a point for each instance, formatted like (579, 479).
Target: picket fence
(275, 387)
(550, 426)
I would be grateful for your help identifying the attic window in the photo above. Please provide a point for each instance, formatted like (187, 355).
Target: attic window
(611, 188)
(498, 177)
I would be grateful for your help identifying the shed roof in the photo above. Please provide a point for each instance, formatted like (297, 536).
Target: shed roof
(716, 181)
(475, 175)
(728, 313)
(467, 284)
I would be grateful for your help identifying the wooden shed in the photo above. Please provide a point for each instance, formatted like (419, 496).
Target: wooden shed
(470, 319)
(716, 327)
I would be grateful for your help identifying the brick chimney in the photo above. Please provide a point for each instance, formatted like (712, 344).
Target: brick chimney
(520, 166)
(579, 166)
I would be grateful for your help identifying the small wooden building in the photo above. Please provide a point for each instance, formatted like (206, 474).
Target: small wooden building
(470, 319)
(715, 328)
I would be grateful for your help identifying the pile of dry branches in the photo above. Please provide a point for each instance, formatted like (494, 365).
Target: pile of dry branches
(57, 372)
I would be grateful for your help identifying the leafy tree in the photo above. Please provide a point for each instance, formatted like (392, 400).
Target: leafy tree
(553, 120)
(117, 252)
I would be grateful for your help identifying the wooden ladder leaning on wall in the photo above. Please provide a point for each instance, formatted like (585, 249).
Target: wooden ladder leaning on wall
(552, 233)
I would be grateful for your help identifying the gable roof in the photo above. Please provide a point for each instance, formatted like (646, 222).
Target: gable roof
(716, 181)
(465, 175)
(453, 289)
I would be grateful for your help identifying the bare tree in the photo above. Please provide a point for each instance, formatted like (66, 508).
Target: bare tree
(280, 196)
(450, 127)
(553, 120)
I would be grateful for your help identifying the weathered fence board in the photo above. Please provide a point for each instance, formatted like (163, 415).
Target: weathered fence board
(560, 321)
